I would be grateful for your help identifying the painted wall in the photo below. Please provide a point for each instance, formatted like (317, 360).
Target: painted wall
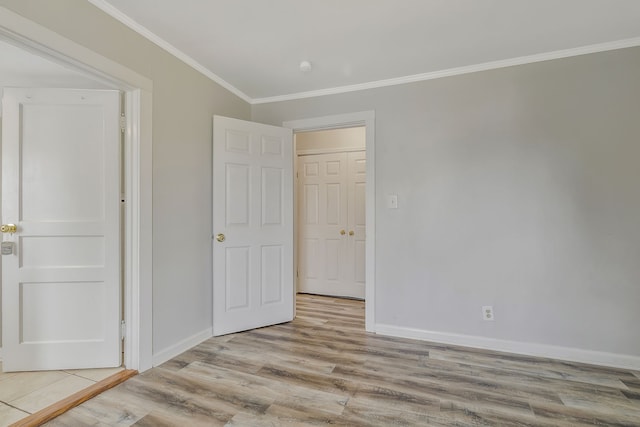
(331, 139)
(184, 102)
(517, 188)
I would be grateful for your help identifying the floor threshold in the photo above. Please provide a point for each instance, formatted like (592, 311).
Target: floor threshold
(59, 408)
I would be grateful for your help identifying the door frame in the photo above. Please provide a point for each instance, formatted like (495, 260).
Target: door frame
(137, 245)
(366, 119)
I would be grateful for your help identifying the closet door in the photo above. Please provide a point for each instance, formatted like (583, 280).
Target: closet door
(355, 260)
(328, 187)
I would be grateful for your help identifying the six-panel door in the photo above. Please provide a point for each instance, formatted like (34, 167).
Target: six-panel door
(253, 210)
(331, 241)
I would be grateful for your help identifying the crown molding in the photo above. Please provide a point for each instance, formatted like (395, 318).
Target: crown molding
(521, 60)
(143, 31)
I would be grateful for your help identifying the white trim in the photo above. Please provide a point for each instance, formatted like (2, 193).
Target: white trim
(530, 349)
(138, 171)
(138, 232)
(367, 119)
(174, 350)
(313, 151)
(521, 60)
(109, 9)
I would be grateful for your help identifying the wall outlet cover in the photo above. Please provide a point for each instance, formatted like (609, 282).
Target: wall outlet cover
(487, 313)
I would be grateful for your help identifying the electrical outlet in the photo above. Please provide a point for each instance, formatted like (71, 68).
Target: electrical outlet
(487, 313)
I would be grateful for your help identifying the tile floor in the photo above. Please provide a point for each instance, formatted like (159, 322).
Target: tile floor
(23, 393)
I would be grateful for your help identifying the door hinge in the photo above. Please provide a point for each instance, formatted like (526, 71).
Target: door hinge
(123, 122)
(123, 329)
(297, 273)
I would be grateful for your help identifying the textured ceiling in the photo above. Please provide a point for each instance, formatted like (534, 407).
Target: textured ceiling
(256, 46)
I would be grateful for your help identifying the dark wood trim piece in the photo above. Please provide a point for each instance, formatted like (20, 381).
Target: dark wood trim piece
(58, 408)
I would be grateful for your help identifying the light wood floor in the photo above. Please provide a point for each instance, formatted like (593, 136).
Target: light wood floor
(323, 368)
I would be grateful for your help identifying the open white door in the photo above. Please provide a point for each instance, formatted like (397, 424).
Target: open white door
(61, 266)
(252, 225)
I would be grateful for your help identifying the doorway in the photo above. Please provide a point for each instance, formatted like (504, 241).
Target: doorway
(47, 44)
(23, 393)
(364, 119)
(331, 212)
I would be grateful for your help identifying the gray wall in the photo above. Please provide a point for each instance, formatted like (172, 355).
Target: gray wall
(517, 188)
(184, 102)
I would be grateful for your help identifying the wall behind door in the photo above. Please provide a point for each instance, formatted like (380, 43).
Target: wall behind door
(351, 138)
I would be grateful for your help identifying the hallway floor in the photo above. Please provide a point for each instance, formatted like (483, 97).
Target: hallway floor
(23, 393)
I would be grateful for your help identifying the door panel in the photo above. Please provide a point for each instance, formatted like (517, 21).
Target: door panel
(253, 209)
(357, 214)
(331, 193)
(61, 187)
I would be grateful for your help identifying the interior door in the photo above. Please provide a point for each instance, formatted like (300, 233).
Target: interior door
(61, 263)
(322, 237)
(356, 223)
(252, 225)
(331, 224)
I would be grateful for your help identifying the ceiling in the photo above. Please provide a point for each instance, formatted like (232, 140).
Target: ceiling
(254, 47)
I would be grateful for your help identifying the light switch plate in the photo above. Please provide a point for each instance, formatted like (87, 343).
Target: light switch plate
(392, 201)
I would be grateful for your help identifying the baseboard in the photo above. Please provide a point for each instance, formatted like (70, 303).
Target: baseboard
(530, 349)
(182, 346)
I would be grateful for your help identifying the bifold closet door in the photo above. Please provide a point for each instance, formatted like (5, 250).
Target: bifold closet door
(331, 224)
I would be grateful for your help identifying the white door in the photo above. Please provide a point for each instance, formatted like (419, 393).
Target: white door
(60, 187)
(331, 232)
(355, 260)
(252, 225)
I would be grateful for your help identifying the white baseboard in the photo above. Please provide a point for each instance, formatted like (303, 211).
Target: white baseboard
(182, 346)
(530, 349)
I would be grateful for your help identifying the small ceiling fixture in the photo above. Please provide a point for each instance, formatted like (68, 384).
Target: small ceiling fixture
(305, 66)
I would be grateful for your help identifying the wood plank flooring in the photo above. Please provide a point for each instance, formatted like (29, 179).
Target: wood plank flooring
(322, 368)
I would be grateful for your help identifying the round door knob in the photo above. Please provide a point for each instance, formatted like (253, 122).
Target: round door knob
(220, 237)
(342, 232)
(8, 228)
(351, 233)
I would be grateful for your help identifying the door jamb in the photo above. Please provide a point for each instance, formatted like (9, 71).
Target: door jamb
(138, 90)
(366, 119)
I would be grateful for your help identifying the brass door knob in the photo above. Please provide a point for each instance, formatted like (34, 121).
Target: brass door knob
(8, 228)
(220, 237)
(351, 233)
(342, 232)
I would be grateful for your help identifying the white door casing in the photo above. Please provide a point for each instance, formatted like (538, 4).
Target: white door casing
(61, 187)
(253, 209)
(331, 231)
